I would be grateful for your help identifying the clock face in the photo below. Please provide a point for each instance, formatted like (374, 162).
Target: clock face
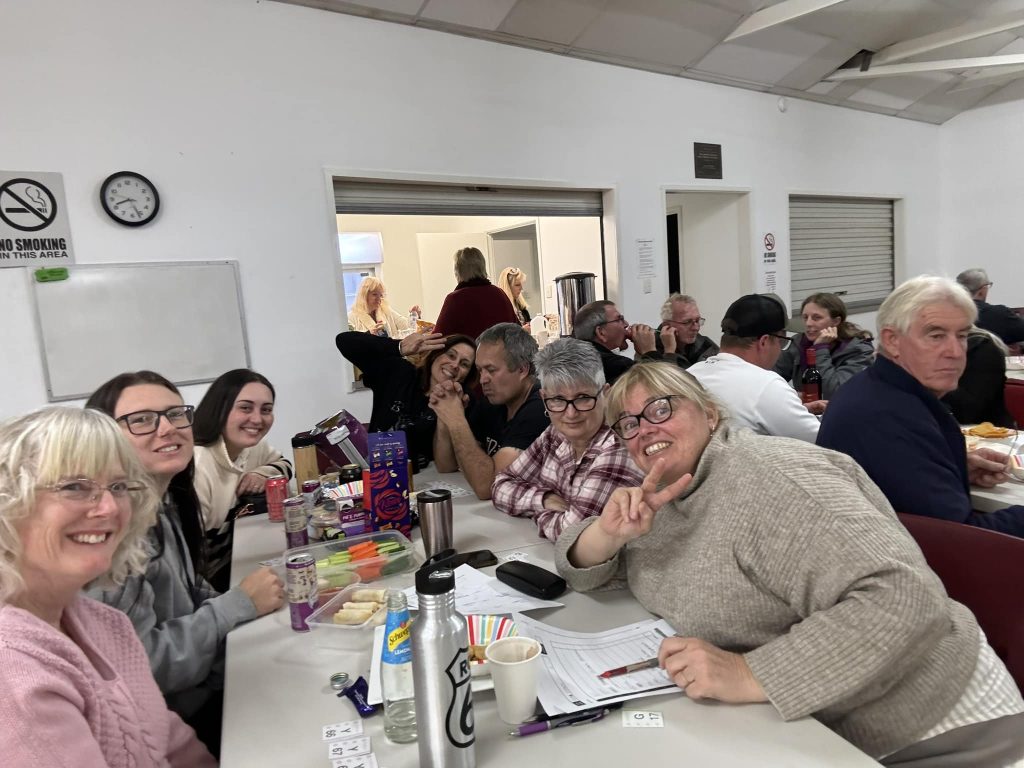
(129, 198)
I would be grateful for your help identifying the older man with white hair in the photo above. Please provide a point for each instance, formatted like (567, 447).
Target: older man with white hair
(889, 418)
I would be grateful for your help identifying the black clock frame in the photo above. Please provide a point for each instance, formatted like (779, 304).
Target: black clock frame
(114, 216)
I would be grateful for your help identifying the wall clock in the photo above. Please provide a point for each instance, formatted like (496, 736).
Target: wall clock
(129, 198)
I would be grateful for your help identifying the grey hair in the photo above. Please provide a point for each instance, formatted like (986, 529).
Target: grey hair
(567, 362)
(661, 379)
(675, 298)
(520, 346)
(53, 444)
(469, 264)
(904, 304)
(973, 279)
(589, 317)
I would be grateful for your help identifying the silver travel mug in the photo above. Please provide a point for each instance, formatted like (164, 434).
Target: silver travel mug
(435, 508)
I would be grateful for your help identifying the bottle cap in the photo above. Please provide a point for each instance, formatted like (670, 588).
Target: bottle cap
(433, 495)
(339, 681)
(435, 580)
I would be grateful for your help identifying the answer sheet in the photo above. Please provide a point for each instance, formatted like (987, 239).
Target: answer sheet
(574, 661)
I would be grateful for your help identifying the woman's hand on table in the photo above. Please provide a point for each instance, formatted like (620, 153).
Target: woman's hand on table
(552, 500)
(986, 467)
(265, 589)
(705, 671)
(417, 343)
(251, 482)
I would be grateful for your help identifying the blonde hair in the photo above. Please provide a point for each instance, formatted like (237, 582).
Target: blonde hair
(506, 278)
(660, 379)
(368, 285)
(54, 444)
(469, 264)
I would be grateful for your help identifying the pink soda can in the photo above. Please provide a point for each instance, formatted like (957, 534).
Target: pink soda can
(295, 532)
(277, 492)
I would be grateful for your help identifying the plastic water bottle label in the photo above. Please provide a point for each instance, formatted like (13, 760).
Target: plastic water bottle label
(397, 645)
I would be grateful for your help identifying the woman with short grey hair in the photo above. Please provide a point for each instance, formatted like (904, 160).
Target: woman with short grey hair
(475, 305)
(75, 506)
(569, 472)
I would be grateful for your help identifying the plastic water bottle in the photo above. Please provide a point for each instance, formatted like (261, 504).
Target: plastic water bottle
(396, 672)
(440, 648)
(413, 317)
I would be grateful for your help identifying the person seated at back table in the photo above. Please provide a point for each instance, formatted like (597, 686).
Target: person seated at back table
(889, 417)
(371, 312)
(601, 324)
(475, 305)
(741, 375)
(232, 459)
(485, 439)
(401, 373)
(995, 318)
(788, 579)
(980, 394)
(569, 472)
(680, 316)
(841, 349)
(75, 506)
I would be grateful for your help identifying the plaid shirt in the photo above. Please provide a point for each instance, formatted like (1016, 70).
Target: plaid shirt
(549, 465)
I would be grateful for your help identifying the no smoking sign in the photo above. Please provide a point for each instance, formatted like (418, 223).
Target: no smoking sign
(34, 226)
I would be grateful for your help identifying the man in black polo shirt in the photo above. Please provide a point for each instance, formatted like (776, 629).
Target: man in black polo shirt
(486, 438)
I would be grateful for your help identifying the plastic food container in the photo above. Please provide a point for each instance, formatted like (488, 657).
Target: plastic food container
(366, 558)
(328, 633)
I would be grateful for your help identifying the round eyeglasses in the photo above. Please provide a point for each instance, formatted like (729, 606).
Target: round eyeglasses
(85, 491)
(655, 412)
(582, 404)
(147, 422)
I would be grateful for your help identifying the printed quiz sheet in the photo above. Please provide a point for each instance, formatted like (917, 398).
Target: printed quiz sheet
(573, 662)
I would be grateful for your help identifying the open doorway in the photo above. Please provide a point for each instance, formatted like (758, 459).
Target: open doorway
(709, 250)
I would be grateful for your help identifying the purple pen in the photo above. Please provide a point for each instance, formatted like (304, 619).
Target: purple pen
(577, 718)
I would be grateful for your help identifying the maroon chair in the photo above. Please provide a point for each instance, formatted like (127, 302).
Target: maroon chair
(1013, 396)
(984, 570)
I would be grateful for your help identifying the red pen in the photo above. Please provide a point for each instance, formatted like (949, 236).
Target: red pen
(630, 668)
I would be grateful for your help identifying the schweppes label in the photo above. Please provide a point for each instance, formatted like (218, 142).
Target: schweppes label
(397, 643)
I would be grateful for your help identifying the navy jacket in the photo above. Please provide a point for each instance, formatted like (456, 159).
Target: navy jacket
(910, 445)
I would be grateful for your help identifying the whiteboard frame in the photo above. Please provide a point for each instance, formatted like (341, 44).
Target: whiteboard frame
(72, 268)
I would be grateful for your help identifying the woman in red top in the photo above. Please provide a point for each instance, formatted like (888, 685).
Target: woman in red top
(475, 305)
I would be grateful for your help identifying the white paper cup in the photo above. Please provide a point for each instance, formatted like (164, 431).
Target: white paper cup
(514, 662)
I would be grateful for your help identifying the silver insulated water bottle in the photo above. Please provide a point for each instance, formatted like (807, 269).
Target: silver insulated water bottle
(440, 661)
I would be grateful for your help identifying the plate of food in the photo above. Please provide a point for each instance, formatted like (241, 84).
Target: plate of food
(987, 430)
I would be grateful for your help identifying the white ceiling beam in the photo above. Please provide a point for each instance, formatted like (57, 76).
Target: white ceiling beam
(777, 14)
(972, 30)
(947, 65)
(987, 80)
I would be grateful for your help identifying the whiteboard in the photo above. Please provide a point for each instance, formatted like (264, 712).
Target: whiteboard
(183, 320)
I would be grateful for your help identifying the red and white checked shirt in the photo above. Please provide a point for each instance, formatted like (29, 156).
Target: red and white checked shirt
(549, 465)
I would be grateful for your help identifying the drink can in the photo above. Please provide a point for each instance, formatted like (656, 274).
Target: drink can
(295, 532)
(277, 491)
(311, 493)
(300, 585)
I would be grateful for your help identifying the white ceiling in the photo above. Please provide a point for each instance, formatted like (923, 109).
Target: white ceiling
(687, 38)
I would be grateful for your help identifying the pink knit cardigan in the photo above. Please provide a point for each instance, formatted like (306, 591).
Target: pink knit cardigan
(85, 699)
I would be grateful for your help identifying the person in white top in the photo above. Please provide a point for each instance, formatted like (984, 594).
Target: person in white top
(741, 375)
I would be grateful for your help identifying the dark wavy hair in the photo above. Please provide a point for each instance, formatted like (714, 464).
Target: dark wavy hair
(212, 411)
(424, 364)
(182, 487)
(837, 311)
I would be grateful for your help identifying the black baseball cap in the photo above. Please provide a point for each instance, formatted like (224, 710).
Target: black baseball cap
(753, 316)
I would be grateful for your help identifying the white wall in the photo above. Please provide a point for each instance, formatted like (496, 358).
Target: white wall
(982, 158)
(237, 110)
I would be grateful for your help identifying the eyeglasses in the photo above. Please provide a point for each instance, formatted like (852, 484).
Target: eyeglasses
(147, 422)
(655, 412)
(619, 319)
(85, 491)
(786, 341)
(697, 323)
(582, 404)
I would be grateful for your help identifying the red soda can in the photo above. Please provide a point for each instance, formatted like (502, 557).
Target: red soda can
(277, 491)
(300, 586)
(295, 531)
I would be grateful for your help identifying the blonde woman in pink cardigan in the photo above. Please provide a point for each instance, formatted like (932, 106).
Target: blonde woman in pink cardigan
(75, 505)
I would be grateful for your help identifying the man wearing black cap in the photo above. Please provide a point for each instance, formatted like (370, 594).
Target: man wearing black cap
(741, 375)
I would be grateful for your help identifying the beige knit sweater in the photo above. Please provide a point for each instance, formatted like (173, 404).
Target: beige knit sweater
(789, 554)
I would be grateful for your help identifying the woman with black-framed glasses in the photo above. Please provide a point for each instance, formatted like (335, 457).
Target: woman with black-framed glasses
(570, 470)
(181, 620)
(788, 579)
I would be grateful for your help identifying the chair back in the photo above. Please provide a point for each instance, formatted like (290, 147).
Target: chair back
(984, 570)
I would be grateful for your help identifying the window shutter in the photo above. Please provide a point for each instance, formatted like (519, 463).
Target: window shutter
(841, 245)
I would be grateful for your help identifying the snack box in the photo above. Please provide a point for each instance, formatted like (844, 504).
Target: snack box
(352, 636)
(367, 558)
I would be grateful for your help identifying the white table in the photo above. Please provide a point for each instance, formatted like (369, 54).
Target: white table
(1004, 495)
(277, 695)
